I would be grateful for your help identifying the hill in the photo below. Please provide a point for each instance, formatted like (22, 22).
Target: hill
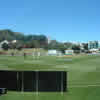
(28, 40)
(10, 35)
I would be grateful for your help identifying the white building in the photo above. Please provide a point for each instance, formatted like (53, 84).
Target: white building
(69, 52)
(93, 45)
(52, 52)
(14, 41)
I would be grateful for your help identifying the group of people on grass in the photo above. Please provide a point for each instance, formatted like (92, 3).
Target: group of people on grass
(25, 55)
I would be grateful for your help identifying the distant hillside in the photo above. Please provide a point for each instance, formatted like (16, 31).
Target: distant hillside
(10, 35)
(28, 40)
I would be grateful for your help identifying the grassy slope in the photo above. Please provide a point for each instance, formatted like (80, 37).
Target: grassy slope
(83, 72)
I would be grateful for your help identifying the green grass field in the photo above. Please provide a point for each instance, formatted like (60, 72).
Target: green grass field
(83, 76)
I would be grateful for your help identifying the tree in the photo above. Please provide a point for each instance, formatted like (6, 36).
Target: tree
(19, 47)
(5, 46)
(53, 44)
(68, 45)
(35, 44)
(76, 48)
(85, 46)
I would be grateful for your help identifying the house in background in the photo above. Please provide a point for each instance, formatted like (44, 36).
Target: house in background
(1, 43)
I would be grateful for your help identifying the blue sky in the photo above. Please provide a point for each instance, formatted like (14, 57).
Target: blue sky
(64, 20)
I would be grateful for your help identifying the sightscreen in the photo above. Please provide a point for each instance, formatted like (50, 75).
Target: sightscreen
(40, 81)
